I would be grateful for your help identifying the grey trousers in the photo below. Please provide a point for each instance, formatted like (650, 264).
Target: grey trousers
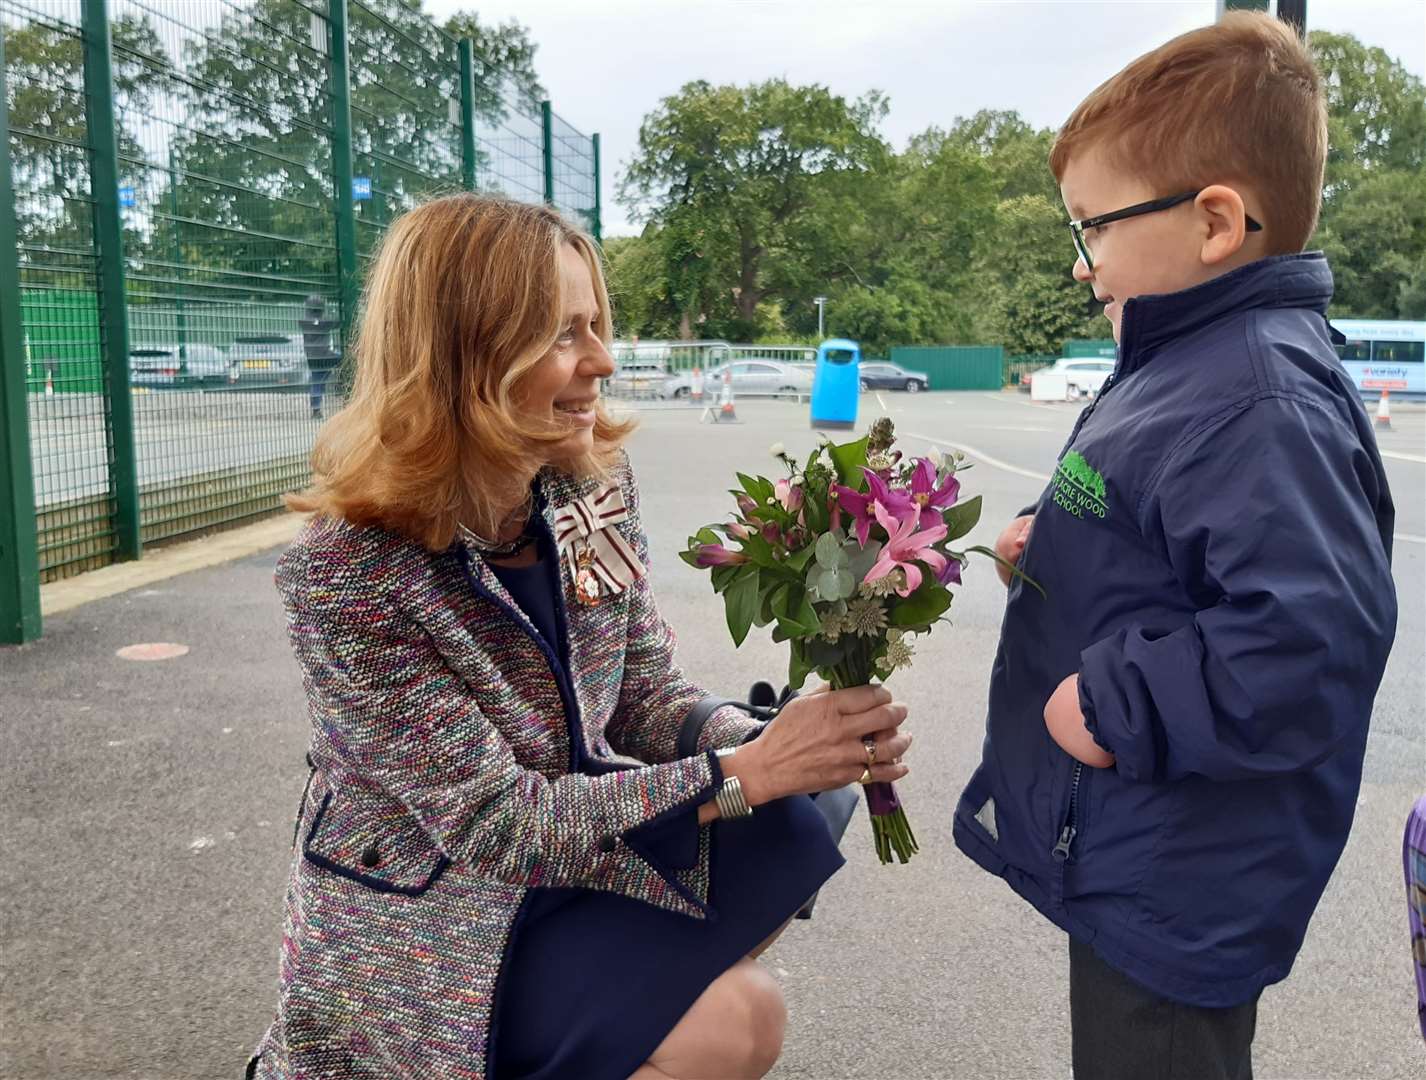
(1123, 1031)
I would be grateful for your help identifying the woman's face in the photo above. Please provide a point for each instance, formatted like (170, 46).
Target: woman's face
(564, 386)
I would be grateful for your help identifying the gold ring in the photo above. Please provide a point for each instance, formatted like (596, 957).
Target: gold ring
(865, 777)
(870, 746)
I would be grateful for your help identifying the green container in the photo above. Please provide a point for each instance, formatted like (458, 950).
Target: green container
(61, 340)
(955, 367)
(1091, 347)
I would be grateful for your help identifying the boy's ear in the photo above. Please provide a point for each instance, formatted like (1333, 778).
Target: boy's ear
(1224, 222)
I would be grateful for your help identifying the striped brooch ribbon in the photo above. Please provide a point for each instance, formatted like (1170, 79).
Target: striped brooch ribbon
(600, 560)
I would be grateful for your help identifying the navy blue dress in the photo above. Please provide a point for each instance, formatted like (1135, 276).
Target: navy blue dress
(593, 981)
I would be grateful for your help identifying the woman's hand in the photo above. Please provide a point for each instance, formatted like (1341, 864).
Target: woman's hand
(816, 743)
(1011, 544)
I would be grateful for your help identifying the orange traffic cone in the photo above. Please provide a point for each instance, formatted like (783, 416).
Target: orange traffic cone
(49, 382)
(726, 413)
(1383, 411)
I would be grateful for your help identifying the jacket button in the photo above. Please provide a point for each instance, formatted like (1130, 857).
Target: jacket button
(370, 856)
(607, 844)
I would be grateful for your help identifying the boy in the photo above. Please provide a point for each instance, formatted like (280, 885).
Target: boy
(1176, 728)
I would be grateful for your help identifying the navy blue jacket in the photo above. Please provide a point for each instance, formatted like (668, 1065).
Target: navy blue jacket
(1215, 551)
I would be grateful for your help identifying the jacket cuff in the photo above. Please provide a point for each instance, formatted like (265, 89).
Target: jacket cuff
(728, 727)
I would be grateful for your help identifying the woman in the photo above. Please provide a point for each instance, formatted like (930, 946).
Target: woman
(503, 869)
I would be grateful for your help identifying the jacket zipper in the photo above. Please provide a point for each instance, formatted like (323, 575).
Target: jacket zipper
(1067, 833)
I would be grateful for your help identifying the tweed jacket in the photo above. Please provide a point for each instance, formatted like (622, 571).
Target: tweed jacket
(441, 788)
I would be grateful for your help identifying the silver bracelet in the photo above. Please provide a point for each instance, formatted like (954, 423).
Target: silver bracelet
(731, 801)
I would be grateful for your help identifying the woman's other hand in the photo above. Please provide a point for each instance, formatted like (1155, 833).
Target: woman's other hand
(817, 742)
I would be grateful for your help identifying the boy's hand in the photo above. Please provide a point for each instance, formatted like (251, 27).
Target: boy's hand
(1011, 544)
(1066, 726)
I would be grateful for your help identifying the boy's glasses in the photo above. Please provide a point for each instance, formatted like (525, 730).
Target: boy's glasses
(1077, 228)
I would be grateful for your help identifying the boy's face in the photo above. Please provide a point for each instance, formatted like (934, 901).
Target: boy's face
(1160, 252)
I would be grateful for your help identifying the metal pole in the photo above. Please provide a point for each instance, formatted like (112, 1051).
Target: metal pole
(467, 113)
(19, 555)
(821, 302)
(547, 115)
(177, 259)
(342, 167)
(596, 226)
(109, 246)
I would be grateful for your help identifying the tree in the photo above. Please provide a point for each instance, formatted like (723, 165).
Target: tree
(750, 173)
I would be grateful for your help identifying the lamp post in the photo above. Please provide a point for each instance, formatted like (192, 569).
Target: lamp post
(821, 302)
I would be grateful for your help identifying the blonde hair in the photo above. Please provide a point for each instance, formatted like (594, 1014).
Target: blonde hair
(1237, 101)
(463, 300)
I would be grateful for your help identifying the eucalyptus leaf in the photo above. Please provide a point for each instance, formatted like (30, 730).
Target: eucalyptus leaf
(829, 552)
(846, 585)
(860, 559)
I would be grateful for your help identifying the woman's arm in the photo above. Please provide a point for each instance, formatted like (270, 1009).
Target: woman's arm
(656, 696)
(389, 708)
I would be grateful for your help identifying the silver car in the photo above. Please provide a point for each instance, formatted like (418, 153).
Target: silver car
(755, 378)
(168, 365)
(269, 360)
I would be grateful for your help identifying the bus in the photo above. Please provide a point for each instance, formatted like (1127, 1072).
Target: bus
(1380, 354)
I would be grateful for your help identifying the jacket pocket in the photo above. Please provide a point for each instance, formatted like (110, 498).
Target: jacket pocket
(391, 853)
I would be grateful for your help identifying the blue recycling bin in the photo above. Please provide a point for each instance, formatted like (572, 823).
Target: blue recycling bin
(836, 386)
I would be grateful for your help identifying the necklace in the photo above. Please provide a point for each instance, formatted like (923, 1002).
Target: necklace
(492, 550)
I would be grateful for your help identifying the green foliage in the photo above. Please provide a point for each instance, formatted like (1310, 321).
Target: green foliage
(758, 198)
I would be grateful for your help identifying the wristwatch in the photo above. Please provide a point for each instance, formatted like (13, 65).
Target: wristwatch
(732, 803)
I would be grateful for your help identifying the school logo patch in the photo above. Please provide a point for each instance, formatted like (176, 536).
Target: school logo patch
(1078, 487)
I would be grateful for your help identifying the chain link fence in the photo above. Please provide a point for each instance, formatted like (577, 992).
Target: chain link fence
(197, 186)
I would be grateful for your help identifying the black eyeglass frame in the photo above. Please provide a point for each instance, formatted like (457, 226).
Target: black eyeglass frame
(1153, 206)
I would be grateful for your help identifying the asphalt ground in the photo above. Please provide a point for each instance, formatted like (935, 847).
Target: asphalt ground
(148, 810)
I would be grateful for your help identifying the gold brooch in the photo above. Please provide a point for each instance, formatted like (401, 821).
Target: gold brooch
(586, 584)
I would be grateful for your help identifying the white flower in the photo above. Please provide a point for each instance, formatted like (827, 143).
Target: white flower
(898, 651)
(884, 585)
(880, 460)
(866, 617)
(832, 627)
(778, 450)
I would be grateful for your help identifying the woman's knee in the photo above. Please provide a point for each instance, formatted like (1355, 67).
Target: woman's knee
(734, 1029)
(755, 998)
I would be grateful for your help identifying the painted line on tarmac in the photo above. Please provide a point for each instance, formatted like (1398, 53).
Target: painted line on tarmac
(882, 401)
(1409, 538)
(981, 455)
(1402, 457)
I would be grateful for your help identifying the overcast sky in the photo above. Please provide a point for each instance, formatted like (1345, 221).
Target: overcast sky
(607, 63)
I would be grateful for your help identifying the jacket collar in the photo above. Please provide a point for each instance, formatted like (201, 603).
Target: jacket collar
(1151, 322)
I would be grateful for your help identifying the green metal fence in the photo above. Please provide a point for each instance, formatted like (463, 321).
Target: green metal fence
(186, 176)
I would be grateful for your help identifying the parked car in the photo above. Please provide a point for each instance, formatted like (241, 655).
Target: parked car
(760, 378)
(268, 360)
(1087, 374)
(878, 375)
(168, 365)
(637, 376)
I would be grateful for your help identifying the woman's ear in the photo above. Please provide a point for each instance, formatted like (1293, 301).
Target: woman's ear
(1223, 220)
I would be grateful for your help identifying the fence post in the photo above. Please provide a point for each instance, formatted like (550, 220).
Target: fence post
(596, 226)
(547, 117)
(467, 113)
(109, 245)
(342, 166)
(19, 557)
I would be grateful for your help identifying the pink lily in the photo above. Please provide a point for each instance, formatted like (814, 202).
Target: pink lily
(905, 547)
(928, 497)
(788, 495)
(707, 555)
(861, 505)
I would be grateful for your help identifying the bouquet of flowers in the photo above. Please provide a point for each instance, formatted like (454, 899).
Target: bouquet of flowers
(848, 558)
